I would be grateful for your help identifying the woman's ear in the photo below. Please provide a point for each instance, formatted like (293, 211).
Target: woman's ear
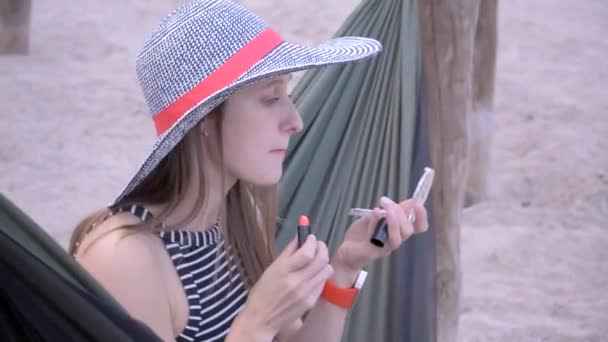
(206, 125)
(209, 126)
(209, 134)
(203, 129)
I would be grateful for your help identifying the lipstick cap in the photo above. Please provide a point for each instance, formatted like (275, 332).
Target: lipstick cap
(380, 233)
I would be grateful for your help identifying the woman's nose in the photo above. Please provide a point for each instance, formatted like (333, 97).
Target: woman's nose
(292, 123)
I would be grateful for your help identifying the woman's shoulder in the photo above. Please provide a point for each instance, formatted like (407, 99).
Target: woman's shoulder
(114, 238)
(133, 266)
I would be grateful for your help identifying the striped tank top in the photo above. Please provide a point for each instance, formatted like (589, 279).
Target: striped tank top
(215, 289)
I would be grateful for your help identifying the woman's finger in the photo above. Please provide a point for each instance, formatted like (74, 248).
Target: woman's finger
(321, 260)
(304, 255)
(393, 220)
(291, 248)
(419, 215)
(421, 224)
(373, 220)
(406, 227)
(315, 283)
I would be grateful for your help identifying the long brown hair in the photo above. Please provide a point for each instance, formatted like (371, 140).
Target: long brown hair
(248, 216)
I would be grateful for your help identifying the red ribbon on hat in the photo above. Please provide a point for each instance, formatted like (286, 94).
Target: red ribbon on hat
(226, 74)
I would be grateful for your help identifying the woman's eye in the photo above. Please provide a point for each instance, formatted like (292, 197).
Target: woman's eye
(272, 100)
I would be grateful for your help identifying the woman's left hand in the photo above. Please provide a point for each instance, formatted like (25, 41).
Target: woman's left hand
(357, 251)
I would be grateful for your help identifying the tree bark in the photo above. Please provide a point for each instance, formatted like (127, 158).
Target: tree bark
(482, 117)
(15, 26)
(448, 38)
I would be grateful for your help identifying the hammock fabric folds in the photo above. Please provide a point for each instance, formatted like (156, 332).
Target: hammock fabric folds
(46, 296)
(364, 137)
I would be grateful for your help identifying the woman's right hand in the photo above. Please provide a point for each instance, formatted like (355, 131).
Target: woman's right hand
(289, 287)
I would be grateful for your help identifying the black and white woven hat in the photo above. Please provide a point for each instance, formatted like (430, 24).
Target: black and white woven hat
(205, 51)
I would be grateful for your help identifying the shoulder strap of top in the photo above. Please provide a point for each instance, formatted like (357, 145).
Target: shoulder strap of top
(135, 209)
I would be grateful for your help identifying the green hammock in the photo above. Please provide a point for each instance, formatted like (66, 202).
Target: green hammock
(46, 296)
(358, 144)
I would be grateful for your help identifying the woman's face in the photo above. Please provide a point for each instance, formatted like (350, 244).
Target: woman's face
(257, 123)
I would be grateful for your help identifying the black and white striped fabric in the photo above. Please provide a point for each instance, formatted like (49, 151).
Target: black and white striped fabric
(215, 290)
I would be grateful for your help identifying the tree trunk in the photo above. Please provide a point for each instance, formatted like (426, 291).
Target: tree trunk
(448, 36)
(15, 26)
(482, 117)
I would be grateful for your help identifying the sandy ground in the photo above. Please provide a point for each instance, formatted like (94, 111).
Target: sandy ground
(534, 256)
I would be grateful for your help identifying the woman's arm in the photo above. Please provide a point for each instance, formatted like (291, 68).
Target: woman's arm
(245, 328)
(128, 268)
(325, 321)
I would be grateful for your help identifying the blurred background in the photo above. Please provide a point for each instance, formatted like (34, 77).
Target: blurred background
(74, 127)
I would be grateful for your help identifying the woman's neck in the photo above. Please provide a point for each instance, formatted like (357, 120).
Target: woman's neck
(208, 215)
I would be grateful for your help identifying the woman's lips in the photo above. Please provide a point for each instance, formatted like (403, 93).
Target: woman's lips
(280, 151)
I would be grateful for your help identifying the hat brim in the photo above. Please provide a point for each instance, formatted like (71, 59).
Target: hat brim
(285, 58)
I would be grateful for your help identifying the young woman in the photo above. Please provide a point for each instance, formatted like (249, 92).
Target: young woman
(187, 247)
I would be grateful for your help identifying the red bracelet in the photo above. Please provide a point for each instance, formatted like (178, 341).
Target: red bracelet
(344, 297)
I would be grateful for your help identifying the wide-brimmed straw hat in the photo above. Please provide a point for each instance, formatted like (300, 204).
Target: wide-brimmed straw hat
(205, 51)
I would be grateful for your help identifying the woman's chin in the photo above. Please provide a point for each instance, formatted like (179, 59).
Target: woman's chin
(267, 179)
